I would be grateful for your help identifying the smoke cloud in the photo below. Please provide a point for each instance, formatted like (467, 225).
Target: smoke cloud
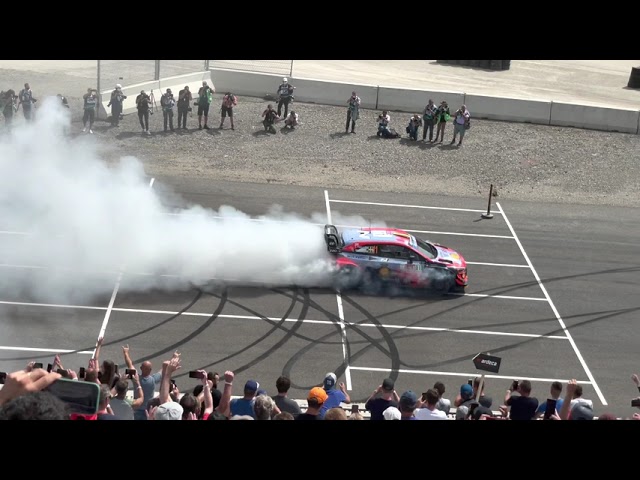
(72, 225)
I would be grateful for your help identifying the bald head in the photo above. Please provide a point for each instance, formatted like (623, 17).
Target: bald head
(146, 368)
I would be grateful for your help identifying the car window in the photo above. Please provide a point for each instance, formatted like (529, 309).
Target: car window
(395, 251)
(368, 249)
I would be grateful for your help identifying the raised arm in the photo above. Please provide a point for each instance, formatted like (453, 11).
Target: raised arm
(225, 400)
(127, 357)
(168, 367)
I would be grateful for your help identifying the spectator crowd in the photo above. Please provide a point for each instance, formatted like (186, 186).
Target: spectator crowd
(432, 116)
(101, 392)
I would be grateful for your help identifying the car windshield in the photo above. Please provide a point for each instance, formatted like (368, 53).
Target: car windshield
(426, 249)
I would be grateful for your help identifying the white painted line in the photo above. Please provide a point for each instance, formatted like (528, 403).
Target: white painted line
(498, 265)
(107, 315)
(555, 311)
(408, 206)
(507, 297)
(288, 320)
(467, 375)
(457, 330)
(27, 349)
(6, 232)
(343, 330)
(456, 233)
(51, 305)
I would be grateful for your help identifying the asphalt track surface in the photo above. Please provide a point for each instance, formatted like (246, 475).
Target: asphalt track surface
(533, 271)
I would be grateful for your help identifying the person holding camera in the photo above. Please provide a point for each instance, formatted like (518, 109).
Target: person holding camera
(184, 106)
(143, 104)
(27, 101)
(429, 117)
(117, 97)
(383, 124)
(9, 105)
(167, 103)
(353, 112)
(228, 102)
(270, 116)
(285, 95)
(415, 123)
(461, 122)
(205, 98)
(293, 120)
(442, 117)
(90, 104)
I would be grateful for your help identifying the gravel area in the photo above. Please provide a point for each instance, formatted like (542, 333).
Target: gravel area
(525, 162)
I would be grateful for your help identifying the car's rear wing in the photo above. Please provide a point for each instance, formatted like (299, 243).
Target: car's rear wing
(333, 239)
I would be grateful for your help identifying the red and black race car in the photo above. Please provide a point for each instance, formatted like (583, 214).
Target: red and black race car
(390, 255)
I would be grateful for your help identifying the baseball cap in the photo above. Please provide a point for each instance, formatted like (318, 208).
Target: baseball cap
(388, 384)
(392, 413)
(409, 399)
(330, 380)
(481, 410)
(252, 386)
(169, 411)
(284, 79)
(466, 391)
(581, 411)
(261, 391)
(118, 85)
(318, 394)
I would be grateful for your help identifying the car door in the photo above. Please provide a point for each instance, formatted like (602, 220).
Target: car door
(402, 262)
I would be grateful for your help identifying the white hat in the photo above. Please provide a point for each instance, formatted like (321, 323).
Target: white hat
(118, 85)
(169, 411)
(284, 79)
(392, 413)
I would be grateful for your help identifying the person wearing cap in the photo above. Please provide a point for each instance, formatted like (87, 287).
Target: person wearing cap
(117, 98)
(391, 413)
(407, 405)
(381, 399)
(90, 100)
(461, 122)
(335, 396)
(184, 106)
(315, 400)
(205, 97)
(285, 95)
(167, 102)
(467, 401)
(244, 405)
(168, 411)
(443, 115)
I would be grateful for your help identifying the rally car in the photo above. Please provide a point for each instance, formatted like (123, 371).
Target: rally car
(390, 255)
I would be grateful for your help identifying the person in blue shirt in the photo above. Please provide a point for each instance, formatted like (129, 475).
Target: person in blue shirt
(555, 391)
(334, 396)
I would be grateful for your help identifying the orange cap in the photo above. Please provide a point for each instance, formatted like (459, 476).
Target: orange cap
(318, 394)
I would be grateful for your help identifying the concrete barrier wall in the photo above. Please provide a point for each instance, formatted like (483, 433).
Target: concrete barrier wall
(397, 99)
(245, 83)
(131, 91)
(596, 118)
(509, 109)
(333, 93)
(414, 101)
